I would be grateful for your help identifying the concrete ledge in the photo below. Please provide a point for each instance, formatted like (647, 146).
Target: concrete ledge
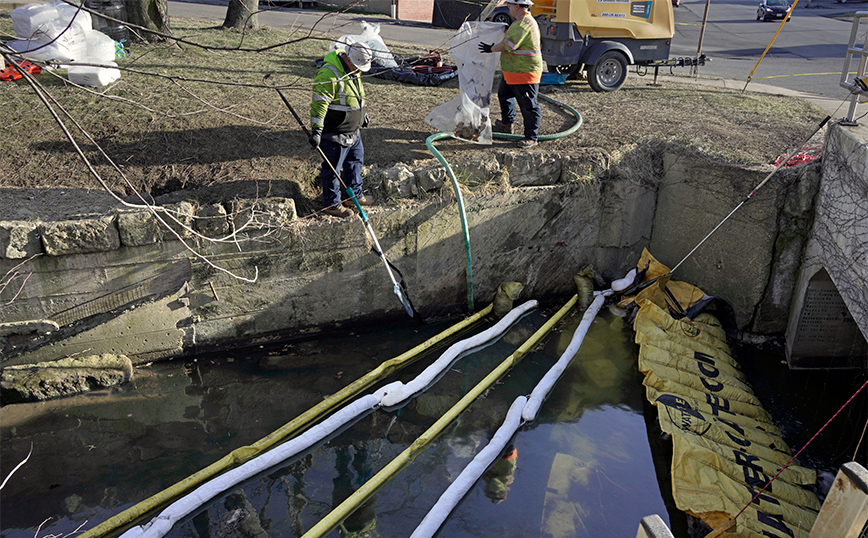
(140, 227)
(63, 377)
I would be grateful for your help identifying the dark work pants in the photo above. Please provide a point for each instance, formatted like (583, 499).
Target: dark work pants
(351, 171)
(525, 96)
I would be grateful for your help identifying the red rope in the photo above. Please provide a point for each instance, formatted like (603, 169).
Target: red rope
(801, 449)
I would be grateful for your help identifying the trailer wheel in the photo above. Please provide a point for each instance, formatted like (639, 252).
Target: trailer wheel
(608, 73)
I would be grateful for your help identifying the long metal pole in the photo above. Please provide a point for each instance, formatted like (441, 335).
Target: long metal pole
(754, 191)
(396, 288)
(763, 55)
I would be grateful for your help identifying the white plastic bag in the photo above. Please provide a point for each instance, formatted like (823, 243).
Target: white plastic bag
(70, 46)
(371, 37)
(39, 24)
(67, 12)
(100, 47)
(38, 50)
(466, 116)
(35, 21)
(87, 75)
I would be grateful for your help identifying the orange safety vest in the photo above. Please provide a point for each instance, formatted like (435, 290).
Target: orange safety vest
(522, 62)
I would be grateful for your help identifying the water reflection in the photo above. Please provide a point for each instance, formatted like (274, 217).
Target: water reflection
(362, 523)
(500, 475)
(585, 466)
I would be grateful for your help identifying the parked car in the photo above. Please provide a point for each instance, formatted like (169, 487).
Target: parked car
(772, 9)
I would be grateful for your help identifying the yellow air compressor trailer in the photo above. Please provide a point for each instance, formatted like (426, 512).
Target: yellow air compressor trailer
(603, 37)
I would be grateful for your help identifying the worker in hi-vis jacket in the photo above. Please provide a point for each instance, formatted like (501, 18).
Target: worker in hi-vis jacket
(521, 63)
(337, 112)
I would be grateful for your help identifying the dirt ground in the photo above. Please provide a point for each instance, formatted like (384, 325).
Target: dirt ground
(172, 133)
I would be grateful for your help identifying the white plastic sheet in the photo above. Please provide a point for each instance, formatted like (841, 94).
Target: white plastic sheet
(467, 116)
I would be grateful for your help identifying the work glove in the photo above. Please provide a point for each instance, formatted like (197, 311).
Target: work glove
(485, 47)
(366, 121)
(315, 138)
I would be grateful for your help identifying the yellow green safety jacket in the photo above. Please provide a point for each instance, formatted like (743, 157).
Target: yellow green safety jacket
(338, 104)
(522, 61)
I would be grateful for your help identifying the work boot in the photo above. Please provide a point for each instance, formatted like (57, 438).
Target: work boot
(526, 143)
(363, 201)
(500, 127)
(338, 211)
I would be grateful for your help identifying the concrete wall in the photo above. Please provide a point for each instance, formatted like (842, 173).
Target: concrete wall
(116, 282)
(752, 259)
(828, 321)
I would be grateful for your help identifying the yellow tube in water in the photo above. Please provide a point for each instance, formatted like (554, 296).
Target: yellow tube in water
(245, 453)
(369, 488)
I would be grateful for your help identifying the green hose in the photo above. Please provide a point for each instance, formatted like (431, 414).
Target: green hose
(438, 136)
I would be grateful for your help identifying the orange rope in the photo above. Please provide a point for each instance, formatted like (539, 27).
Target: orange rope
(801, 449)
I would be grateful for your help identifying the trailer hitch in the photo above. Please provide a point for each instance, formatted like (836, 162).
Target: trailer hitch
(671, 63)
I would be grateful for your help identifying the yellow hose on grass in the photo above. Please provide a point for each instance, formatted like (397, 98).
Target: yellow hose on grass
(246, 453)
(369, 488)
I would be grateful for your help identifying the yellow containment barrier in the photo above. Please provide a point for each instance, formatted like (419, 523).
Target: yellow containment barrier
(683, 357)
(724, 447)
(684, 331)
(713, 408)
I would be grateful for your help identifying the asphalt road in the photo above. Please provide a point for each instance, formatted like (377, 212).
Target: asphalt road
(807, 55)
(329, 23)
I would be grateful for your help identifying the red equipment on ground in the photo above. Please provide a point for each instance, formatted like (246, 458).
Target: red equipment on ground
(11, 73)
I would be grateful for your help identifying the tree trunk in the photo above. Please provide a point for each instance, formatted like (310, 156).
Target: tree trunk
(151, 14)
(242, 14)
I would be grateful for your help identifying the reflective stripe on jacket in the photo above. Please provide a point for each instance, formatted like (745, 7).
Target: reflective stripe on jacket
(522, 62)
(338, 104)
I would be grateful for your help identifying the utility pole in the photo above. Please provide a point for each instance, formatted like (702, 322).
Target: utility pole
(701, 36)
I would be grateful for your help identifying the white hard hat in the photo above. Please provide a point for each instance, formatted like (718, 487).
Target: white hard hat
(526, 3)
(360, 54)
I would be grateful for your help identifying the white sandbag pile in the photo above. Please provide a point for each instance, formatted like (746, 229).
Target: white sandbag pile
(60, 33)
(371, 37)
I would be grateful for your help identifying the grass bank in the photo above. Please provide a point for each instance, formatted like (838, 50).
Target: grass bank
(185, 117)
